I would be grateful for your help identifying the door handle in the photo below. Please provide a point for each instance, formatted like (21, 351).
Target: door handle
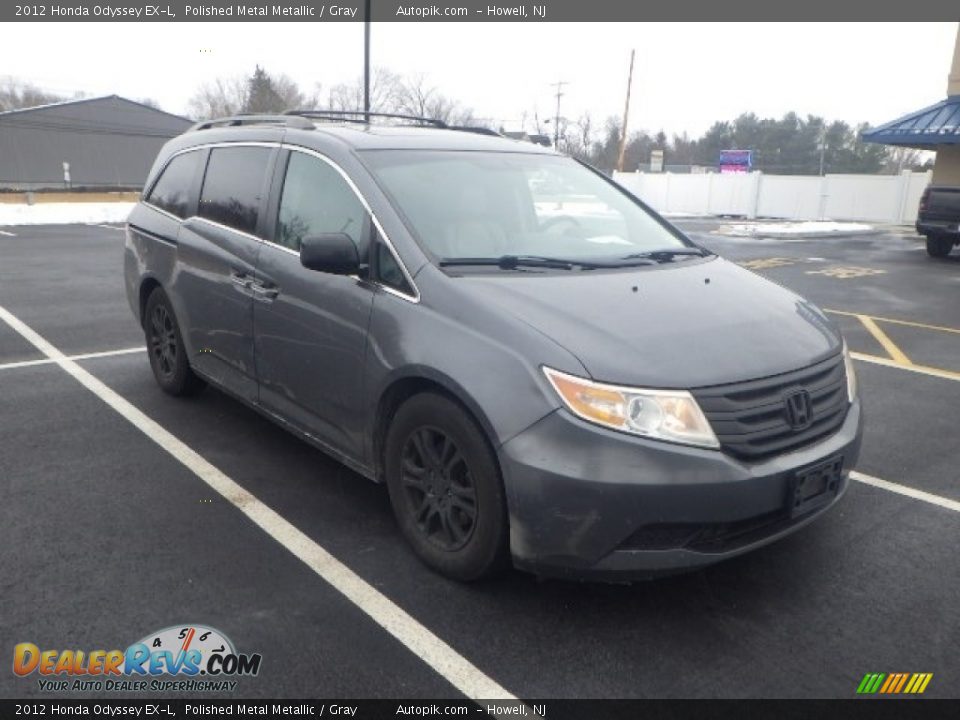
(241, 280)
(263, 293)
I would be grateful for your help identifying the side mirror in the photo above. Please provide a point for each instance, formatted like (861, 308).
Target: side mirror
(333, 253)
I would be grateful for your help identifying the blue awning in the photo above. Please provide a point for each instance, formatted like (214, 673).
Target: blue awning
(935, 125)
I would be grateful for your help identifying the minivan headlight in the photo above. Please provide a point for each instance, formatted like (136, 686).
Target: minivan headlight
(662, 414)
(851, 374)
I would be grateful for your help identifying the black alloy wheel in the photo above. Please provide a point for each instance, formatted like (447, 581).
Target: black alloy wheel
(168, 356)
(445, 488)
(439, 488)
(163, 341)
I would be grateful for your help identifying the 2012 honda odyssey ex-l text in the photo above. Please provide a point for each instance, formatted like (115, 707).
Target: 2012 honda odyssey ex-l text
(539, 367)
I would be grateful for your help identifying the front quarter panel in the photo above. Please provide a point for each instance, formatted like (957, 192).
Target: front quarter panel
(490, 362)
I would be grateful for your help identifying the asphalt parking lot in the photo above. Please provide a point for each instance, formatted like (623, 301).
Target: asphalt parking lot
(106, 536)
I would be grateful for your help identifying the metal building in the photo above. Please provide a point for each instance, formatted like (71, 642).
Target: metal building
(103, 142)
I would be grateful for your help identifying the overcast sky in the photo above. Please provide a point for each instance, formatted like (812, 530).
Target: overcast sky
(687, 75)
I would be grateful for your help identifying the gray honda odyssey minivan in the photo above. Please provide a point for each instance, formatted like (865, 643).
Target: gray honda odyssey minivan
(539, 367)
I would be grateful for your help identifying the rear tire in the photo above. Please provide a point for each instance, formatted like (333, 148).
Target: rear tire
(939, 246)
(445, 488)
(168, 356)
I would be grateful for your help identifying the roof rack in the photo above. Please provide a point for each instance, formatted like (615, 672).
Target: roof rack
(361, 116)
(479, 130)
(237, 120)
(301, 120)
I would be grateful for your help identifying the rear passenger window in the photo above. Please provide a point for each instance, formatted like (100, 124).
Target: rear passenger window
(232, 186)
(316, 200)
(172, 191)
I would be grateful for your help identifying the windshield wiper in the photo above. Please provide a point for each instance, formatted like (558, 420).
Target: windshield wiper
(511, 262)
(668, 254)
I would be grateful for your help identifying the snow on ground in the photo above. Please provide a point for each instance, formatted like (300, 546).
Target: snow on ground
(682, 215)
(64, 213)
(809, 228)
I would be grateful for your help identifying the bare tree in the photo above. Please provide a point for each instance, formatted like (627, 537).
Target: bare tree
(219, 98)
(902, 158)
(578, 138)
(261, 92)
(384, 86)
(16, 94)
(391, 93)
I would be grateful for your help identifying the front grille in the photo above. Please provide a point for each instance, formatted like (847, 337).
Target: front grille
(750, 418)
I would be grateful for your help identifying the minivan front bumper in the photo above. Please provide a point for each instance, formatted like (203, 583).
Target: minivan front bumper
(588, 502)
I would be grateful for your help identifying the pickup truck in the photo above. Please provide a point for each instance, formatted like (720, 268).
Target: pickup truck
(939, 219)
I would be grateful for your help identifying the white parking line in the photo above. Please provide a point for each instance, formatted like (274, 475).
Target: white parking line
(906, 491)
(446, 661)
(86, 356)
(108, 227)
(8, 234)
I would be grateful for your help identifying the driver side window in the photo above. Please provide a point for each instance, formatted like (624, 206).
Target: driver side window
(316, 200)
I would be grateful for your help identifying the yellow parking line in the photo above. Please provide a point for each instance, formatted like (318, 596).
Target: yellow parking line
(921, 369)
(896, 353)
(908, 323)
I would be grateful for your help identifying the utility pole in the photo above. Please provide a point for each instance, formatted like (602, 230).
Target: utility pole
(556, 118)
(626, 112)
(366, 61)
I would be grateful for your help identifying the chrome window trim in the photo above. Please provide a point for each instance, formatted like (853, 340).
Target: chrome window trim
(415, 298)
(221, 226)
(164, 212)
(284, 248)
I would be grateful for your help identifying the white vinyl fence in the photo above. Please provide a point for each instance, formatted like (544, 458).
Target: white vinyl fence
(875, 198)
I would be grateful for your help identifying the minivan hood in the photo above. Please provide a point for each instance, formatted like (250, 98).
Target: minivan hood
(693, 324)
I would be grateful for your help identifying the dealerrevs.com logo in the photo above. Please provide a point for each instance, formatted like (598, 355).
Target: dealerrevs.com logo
(199, 657)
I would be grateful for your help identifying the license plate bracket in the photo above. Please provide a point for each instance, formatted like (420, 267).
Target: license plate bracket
(814, 486)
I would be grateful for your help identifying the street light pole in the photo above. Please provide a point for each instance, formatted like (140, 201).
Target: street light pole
(366, 61)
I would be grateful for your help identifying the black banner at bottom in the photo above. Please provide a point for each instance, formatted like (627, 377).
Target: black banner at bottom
(872, 708)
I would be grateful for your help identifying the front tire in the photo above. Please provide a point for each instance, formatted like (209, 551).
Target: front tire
(168, 356)
(939, 246)
(445, 488)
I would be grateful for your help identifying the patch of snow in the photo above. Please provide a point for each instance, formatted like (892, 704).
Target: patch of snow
(64, 213)
(810, 228)
(681, 215)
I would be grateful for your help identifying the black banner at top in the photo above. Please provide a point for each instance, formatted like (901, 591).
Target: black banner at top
(739, 11)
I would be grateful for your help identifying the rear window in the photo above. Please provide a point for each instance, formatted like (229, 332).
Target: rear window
(171, 192)
(233, 186)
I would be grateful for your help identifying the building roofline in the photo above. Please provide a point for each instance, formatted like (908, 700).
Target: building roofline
(918, 129)
(77, 101)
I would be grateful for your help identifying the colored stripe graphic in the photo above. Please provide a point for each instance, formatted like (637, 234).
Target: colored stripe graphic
(903, 679)
(894, 683)
(891, 681)
(914, 682)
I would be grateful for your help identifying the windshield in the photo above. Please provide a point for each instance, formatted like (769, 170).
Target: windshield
(484, 205)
